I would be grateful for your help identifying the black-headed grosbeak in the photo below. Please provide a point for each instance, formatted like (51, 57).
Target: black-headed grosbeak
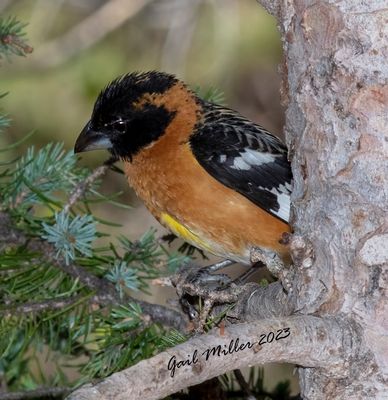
(216, 179)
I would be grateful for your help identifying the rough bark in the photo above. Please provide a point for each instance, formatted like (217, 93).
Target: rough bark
(335, 87)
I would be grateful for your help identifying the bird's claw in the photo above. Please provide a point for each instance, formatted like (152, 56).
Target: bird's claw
(193, 283)
(269, 258)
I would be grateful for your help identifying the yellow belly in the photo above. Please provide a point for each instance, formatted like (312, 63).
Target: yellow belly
(178, 229)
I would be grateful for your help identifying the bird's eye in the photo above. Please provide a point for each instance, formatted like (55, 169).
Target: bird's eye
(119, 126)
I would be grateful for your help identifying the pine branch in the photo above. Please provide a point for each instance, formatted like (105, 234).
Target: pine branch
(38, 394)
(105, 292)
(83, 186)
(39, 306)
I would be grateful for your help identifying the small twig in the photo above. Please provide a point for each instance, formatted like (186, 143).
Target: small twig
(81, 188)
(84, 185)
(41, 393)
(243, 384)
(39, 306)
(17, 43)
(163, 315)
(48, 305)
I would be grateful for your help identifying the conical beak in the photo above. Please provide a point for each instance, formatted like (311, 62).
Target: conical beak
(90, 139)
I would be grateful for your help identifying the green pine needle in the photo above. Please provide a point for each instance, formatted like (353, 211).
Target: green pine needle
(4, 122)
(40, 173)
(12, 41)
(172, 338)
(123, 277)
(212, 94)
(70, 236)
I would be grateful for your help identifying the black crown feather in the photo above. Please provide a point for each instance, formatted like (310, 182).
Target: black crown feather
(131, 87)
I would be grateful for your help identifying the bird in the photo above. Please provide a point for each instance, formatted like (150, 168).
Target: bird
(209, 175)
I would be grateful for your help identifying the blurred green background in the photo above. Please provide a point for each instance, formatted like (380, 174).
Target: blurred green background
(80, 45)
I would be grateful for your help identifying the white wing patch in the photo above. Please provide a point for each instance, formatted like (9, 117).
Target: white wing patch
(250, 158)
(239, 163)
(257, 158)
(282, 193)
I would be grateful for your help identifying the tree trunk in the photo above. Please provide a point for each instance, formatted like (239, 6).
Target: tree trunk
(335, 88)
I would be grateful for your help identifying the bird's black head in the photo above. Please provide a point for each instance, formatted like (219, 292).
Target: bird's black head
(125, 118)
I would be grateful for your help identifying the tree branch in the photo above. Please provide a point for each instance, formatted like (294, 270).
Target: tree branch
(304, 340)
(105, 291)
(41, 393)
(81, 188)
(243, 385)
(84, 185)
(38, 306)
(260, 302)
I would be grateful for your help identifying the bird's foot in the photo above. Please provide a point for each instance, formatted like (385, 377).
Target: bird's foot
(274, 264)
(196, 285)
(269, 258)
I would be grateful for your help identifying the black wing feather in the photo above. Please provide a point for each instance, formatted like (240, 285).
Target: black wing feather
(244, 157)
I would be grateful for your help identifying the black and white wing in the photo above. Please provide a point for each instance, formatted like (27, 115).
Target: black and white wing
(244, 157)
